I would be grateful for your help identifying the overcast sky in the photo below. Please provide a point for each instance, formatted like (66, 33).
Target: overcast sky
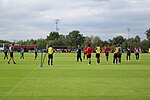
(33, 19)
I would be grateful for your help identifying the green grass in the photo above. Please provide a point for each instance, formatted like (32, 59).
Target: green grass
(69, 80)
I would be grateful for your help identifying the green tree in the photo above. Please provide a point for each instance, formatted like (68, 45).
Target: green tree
(74, 39)
(41, 43)
(53, 36)
(137, 39)
(61, 41)
(4, 41)
(148, 34)
(144, 45)
(110, 42)
(118, 40)
(87, 41)
(105, 43)
(96, 41)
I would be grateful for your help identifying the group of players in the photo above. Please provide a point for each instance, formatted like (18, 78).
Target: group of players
(49, 50)
(87, 52)
(98, 50)
(11, 53)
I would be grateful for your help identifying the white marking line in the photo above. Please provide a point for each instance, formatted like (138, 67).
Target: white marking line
(19, 83)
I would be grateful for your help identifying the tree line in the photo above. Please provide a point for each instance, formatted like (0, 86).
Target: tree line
(74, 38)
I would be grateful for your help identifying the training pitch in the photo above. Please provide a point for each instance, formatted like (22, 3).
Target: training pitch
(71, 80)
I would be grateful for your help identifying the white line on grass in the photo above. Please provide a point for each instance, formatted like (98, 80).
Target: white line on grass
(19, 83)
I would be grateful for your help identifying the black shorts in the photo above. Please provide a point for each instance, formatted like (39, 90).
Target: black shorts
(5, 53)
(50, 56)
(128, 54)
(11, 55)
(119, 56)
(136, 54)
(107, 54)
(97, 55)
(89, 56)
(35, 53)
(115, 55)
(79, 55)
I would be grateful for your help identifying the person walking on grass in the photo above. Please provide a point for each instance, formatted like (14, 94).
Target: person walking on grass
(21, 53)
(79, 54)
(89, 51)
(36, 52)
(98, 53)
(128, 50)
(5, 52)
(50, 55)
(11, 51)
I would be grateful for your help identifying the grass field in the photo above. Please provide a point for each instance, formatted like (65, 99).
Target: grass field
(69, 80)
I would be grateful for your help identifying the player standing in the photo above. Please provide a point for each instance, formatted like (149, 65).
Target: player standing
(5, 52)
(21, 53)
(11, 51)
(85, 54)
(36, 54)
(79, 54)
(116, 51)
(128, 50)
(119, 54)
(137, 53)
(98, 53)
(89, 50)
(107, 49)
(50, 55)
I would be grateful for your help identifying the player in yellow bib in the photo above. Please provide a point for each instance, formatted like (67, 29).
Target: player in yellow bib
(116, 53)
(98, 53)
(50, 55)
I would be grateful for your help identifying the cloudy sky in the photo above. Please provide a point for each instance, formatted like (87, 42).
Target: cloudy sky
(33, 19)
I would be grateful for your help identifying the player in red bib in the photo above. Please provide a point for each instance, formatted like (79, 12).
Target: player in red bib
(84, 49)
(107, 49)
(89, 50)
